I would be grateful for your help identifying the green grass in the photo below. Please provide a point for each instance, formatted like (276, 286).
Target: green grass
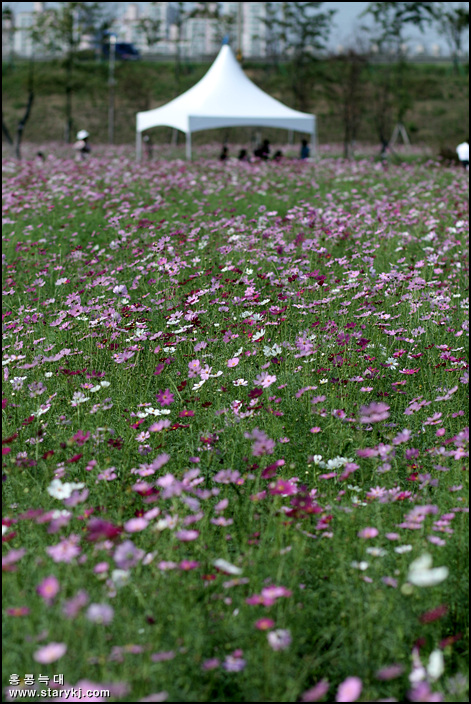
(343, 621)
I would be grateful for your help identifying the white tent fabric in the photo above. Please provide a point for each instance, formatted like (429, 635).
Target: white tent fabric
(224, 97)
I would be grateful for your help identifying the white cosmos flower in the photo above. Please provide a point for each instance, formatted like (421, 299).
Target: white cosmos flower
(436, 665)
(226, 566)
(422, 574)
(359, 565)
(58, 490)
(376, 552)
(403, 548)
(120, 577)
(258, 335)
(240, 382)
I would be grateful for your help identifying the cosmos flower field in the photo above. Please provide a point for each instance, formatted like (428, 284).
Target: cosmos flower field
(235, 433)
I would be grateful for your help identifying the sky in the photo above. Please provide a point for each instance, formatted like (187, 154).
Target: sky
(346, 21)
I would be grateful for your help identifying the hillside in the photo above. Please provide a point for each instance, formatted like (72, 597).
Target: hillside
(438, 113)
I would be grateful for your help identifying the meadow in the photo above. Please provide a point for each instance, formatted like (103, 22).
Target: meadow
(235, 440)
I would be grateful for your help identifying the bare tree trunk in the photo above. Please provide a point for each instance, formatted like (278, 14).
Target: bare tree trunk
(68, 103)
(22, 123)
(16, 145)
(6, 132)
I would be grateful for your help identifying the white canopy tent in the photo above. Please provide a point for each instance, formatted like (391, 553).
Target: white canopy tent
(224, 97)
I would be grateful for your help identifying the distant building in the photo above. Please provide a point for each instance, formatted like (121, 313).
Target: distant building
(197, 34)
(246, 18)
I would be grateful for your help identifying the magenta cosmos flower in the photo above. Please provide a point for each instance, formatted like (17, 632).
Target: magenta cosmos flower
(374, 413)
(165, 398)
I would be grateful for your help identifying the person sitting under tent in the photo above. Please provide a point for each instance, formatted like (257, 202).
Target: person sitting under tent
(278, 155)
(304, 151)
(243, 155)
(263, 151)
(224, 153)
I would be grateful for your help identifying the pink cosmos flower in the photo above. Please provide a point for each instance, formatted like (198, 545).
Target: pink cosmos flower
(187, 535)
(50, 653)
(233, 362)
(160, 425)
(121, 357)
(162, 656)
(9, 560)
(264, 624)
(211, 664)
(48, 589)
(127, 555)
(264, 380)
(349, 690)
(71, 607)
(282, 486)
(134, 525)
(66, 550)
(100, 613)
(18, 611)
(279, 639)
(234, 664)
(317, 692)
(368, 532)
(390, 672)
(374, 413)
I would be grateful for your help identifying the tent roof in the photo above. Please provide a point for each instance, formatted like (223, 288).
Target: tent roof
(225, 97)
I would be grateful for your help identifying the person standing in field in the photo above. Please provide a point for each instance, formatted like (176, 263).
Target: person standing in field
(304, 151)
(463, 154)
(81, 146)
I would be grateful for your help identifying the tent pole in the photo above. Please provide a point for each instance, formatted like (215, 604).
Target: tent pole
(314, 139)
(188, 146)
(138, 146)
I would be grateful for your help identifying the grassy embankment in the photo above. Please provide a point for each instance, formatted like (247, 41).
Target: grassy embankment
(438, 117)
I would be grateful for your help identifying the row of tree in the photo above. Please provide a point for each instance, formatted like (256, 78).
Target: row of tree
(297, 33)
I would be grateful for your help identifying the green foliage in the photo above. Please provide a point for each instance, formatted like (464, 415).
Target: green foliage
(342, 624)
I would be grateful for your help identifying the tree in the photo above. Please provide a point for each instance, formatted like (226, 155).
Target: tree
(226, 24)
(454, 23)
(271, 20)
(392, 18)
(303, 33)
(15, 143)
(391, 99)
(60, 30)
(179, 21)
(346, 89)
(8, 31)
(151, 28)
